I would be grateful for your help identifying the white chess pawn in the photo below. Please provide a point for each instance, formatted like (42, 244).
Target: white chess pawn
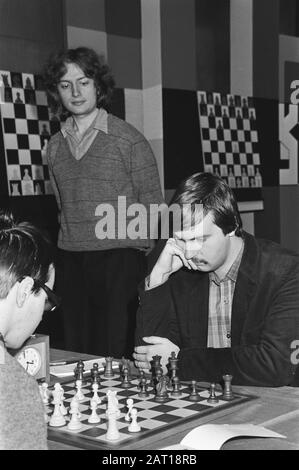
(26, 176)
(75, 423)
(112, 429)
(75, 399)
(130, 403)
(95, 388)
(79, 395)
(94, 417)
(134, 426)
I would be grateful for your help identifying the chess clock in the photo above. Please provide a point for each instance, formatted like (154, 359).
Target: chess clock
(34, 357)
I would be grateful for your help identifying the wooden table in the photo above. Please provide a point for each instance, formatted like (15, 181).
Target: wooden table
(275, 408)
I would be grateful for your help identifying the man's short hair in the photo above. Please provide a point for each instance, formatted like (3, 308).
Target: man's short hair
(24, 251)
(212, 194)
(91, 64)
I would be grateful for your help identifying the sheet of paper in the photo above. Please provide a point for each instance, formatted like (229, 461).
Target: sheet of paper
(213, 436)
(67, 370)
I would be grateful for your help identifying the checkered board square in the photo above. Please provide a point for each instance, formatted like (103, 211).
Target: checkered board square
(152, 417)
(229, 138)
(27, 127)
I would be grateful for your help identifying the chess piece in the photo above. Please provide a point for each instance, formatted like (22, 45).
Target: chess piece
(245, 181)
(96, 398)
(57, 418)
(75, 423)
(143, 393)
(45, 393)
(94, 417)
(95, 374)
(5, 80)
(108, 368)
(231, 179)
(212, 398)
(59, 388)
(18, 99)
(15, 189)
(26, 176)
(79, 370)
(79, 395)
(258, 179)
(173, 364)
(194, 396)
(228, 391)
(112, 430)
(112, 406)
(134, 426)
(130, 403)
(37, 190)
(176, 392)
(28, 85)
(161, 389)
(126, 383)
(45, 131)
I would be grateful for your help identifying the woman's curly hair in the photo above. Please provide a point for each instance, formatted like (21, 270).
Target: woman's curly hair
(93, 67)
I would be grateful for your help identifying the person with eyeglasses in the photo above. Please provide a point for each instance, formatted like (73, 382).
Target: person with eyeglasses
(27, 277)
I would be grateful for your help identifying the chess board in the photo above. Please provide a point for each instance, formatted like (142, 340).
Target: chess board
(27, 126)
(153, 417)
(230, 138)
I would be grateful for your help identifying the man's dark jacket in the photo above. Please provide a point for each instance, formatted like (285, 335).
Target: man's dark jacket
(264, 322)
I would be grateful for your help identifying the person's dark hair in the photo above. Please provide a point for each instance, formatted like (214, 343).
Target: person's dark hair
(91, 64)
(215, 196)
(24, 251)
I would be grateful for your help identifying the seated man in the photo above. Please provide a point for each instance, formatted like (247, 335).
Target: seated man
(26, 279)
(225, 301)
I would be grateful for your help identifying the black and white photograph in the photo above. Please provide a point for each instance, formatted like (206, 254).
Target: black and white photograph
(149, 227)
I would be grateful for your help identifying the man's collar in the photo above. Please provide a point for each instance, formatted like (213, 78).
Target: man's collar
(100, 123)
(232, 273)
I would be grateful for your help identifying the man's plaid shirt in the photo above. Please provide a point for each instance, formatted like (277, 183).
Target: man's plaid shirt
(221, 296)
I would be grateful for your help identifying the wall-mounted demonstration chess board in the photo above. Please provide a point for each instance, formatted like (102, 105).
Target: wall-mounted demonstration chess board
(229, 138)
(27, 125)
(153, 417)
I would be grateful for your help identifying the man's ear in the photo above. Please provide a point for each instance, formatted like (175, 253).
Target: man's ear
(24, 289)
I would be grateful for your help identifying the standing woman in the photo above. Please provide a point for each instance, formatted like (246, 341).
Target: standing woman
(93, 160)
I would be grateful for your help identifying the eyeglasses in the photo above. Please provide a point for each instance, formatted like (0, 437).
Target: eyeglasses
(53, 300)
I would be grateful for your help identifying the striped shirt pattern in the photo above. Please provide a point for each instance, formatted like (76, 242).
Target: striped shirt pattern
(221, 295)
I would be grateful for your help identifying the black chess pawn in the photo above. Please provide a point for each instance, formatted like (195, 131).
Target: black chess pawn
(227, 391)
(126, 381)
(176, 392)
(212, 398)
(95, 374)
(194, 396)
(143, 393)
(79, 370)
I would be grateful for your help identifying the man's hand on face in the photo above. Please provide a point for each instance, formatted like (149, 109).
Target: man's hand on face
(157, 346)
(170, 260)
